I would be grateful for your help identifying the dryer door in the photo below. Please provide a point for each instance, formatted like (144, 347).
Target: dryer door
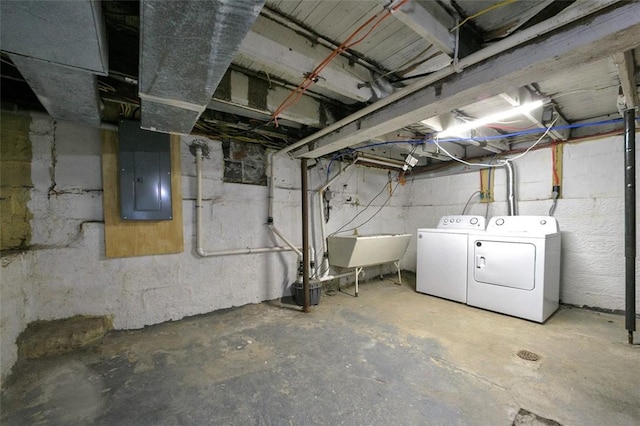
(507, 264)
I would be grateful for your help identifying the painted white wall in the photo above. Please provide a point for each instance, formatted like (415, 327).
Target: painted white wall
(590, 214)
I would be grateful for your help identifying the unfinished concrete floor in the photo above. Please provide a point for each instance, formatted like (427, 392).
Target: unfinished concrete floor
(391, 356)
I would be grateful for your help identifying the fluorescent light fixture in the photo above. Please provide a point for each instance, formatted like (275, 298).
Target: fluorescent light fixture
(464, 127)
(380, 161)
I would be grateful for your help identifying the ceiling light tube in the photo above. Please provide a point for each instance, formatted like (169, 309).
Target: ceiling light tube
(381, 161)
(464, 127)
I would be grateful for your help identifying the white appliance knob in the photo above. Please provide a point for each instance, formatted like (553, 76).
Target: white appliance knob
(500, 222)
(474, 220)
(458, 220)
(446, 221)
(543, 222)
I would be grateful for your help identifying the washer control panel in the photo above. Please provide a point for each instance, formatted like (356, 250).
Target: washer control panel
(462, 222)
(540, 225)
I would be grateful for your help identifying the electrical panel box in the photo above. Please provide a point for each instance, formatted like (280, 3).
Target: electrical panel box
(144, 162)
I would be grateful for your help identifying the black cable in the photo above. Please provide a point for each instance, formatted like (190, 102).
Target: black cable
(361, 211)
(469, 200)
(378, 211)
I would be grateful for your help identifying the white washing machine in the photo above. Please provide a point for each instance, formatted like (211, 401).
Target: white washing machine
(514, 267)
(441, 268)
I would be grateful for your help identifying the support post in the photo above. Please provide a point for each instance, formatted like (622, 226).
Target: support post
(630, 220)
(305, 233)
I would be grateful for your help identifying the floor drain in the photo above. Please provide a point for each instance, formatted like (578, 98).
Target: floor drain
(528, 355)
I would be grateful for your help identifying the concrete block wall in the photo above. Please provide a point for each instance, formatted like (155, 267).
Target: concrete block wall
(590, 213)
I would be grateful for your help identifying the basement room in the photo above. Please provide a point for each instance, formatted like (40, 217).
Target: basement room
(319, 212)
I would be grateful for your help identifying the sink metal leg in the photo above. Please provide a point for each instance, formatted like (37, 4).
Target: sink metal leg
(397, 263)
(358, 270)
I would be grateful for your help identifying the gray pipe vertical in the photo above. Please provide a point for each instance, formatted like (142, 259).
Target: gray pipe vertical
(512, 206)
(630, 219)
(305, 233)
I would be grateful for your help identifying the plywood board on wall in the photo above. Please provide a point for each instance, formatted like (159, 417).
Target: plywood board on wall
(139, 238)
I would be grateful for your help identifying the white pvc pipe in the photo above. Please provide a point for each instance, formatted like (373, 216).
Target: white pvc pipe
(199, 249)
(580, 10)
(323, 228)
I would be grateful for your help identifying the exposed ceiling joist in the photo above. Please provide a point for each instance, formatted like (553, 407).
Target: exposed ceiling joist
(430, 21)
(626, 71)
(522, 96)
(521, 19)
(615, 29)
(250, 97)
(341, 82)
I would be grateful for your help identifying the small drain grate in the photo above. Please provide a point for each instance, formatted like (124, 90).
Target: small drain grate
(528, 355)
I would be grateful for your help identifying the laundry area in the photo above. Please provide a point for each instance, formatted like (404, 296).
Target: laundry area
(319, 212)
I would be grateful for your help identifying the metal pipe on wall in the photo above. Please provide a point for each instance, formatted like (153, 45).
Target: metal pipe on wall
(630, 220)
(511, 189)
(305, 233)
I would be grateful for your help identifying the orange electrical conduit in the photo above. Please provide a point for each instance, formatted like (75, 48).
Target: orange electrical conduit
(312, 77)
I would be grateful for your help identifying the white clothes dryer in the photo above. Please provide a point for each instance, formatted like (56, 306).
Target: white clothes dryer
(514, 267)
(442, 254)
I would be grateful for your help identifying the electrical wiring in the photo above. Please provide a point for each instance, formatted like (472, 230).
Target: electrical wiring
(350, 151)
(531, 131)
(464, 209)
(536, 142)
(313, 76)
(556, 179)
(436, 141)
(482, 12)
(377, 211)
(361, 211)
(501, 162)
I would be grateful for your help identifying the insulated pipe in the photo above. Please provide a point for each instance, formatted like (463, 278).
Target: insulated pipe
(580, 10)
(511, 190)
(199, 249)
(305, 233)
(630, 220)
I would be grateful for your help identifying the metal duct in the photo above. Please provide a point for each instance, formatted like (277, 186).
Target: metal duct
(66, 93)
(58, 47)
(67, 33)
(511, 189)
(185, 49)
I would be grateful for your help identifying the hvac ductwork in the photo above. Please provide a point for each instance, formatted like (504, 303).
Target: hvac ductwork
(185, 49)
(58, 47)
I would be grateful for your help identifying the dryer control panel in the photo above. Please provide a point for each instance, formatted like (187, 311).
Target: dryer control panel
(538, 225)
(462, 222)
